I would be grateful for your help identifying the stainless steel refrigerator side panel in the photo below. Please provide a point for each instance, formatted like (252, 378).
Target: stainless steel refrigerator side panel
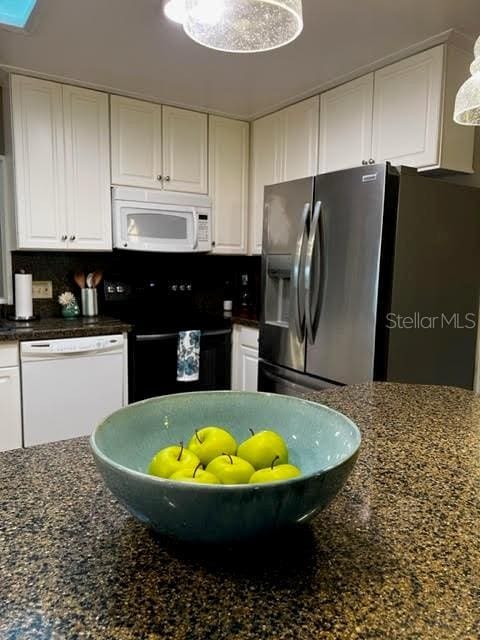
(285, 234)
(352, 218)
(434, 309)
(274, 379)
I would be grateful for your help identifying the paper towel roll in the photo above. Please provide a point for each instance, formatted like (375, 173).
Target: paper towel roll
(23, 295)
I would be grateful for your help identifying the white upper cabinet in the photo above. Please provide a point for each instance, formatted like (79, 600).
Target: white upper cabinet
(158, 147)
(62, 166)
(39, 156)
(228, 178)
(407, 110)
(266, 167)
(136, 143)
(185, 152)
(284, 147)
(413, 112)
(402, 113)
(346, 125)
(300, 139)
(87, 165)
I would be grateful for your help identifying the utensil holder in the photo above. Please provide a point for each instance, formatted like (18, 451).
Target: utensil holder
(89, 302)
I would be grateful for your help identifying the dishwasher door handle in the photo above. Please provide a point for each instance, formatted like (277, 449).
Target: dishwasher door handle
(45, 355)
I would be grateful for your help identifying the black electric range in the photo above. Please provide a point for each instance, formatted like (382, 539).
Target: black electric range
(158, 311)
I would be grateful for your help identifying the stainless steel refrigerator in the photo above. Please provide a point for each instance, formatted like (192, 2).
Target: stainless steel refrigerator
(369, 274)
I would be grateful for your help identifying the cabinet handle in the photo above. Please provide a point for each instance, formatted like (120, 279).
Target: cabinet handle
(64, 238)
(364, 162)
(72, 238)
(167, 178)
(371, 161)
(159, 177)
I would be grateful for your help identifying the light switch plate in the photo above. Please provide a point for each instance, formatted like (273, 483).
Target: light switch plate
(42, 289)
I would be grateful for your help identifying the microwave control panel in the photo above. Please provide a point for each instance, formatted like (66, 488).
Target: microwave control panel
(203, 228)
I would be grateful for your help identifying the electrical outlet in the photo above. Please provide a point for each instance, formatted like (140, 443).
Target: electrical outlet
(42, 289)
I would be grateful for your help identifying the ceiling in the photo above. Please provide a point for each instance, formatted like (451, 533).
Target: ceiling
(128, 46)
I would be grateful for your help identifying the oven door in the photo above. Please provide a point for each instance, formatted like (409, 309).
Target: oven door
(153, 364)
(148, 226)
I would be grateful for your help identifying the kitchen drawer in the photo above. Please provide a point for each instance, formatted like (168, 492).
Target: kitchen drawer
(9, 354)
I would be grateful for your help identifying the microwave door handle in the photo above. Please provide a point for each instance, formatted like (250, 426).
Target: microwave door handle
(195, 229)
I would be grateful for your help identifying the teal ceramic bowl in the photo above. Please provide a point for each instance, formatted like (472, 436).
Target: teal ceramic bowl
(322, 442)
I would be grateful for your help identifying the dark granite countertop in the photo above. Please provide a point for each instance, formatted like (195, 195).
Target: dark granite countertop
(395, 556)
(53, 328)
(246, 321)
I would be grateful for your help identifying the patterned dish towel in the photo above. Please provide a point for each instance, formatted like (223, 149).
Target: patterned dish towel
(188, 356)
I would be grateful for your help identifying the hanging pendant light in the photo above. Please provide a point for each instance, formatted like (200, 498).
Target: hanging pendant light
(175, 10)
(467, 103)
(243, 26)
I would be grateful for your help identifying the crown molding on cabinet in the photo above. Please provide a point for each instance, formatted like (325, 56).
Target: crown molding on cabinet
(452, 36)
(6, 69)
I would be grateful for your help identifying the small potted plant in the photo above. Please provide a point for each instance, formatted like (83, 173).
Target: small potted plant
(69, 305)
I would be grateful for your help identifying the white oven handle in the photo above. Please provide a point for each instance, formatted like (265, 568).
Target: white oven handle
(195, 229)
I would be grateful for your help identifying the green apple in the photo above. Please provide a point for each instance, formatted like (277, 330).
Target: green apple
(262, 448)
(209, 442)
(198, 475)
(231, 469)
(275, 473)
(171, 459)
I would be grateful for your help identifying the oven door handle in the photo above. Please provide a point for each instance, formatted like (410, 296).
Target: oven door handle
(154, 337)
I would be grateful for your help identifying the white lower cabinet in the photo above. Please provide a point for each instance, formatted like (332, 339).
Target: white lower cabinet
(244, 359)
(10, 398)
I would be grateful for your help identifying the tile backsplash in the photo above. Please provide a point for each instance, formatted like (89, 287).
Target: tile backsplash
(207, 273)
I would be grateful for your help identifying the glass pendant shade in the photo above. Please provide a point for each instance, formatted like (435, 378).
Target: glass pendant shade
(467, 103)
(175, 10)
(243, 26)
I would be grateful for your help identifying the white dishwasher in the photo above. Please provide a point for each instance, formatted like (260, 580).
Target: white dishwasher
(70, 385)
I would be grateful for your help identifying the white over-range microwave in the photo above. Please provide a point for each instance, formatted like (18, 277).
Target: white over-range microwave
(149, 220)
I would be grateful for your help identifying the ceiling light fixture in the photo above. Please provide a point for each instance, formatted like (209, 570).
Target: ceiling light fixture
(239, 26)
(175, 10)
(467, 103)
(16, 13)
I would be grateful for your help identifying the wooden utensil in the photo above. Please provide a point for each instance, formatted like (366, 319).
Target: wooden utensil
(97, 278)
(79, 278)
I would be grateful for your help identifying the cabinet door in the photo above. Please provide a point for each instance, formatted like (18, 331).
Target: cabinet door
(87, 162)
(185, 153)
(228, 176)
(346, 125)
(136, 143)
(300, 144)
(248, 369)
(407, 110)
(11, 422)
(38, 148)
(245, 359)
(266, 168)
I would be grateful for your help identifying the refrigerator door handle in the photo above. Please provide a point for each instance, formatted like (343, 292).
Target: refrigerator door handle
(298, 313)
(312, 284)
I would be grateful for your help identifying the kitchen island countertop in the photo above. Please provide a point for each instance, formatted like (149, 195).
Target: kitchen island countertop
(395, 556)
